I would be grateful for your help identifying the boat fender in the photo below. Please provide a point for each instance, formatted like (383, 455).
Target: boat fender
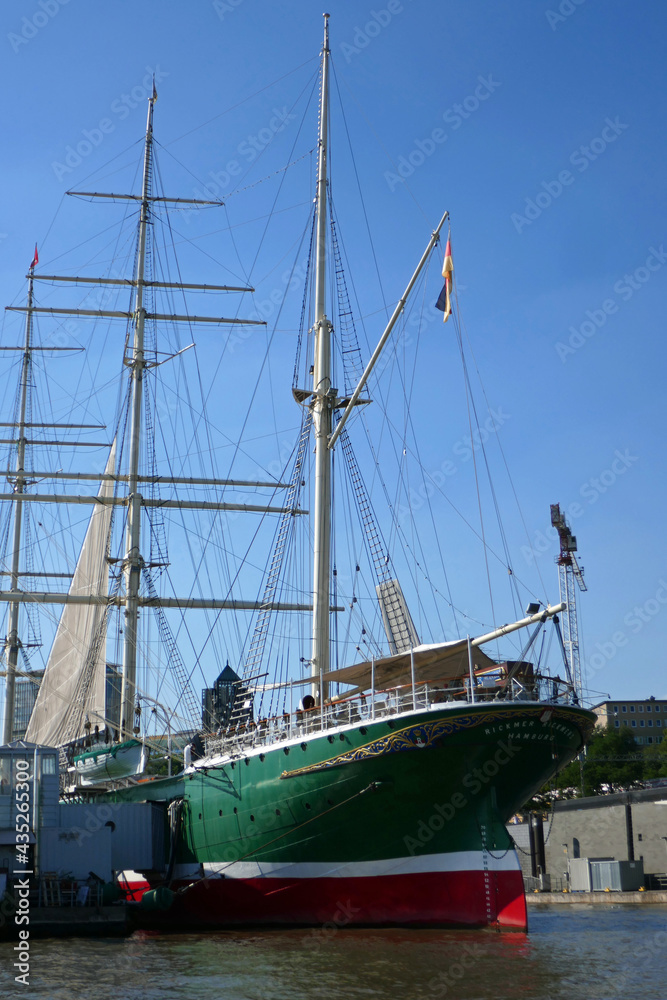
(157, 899)
(110, 893)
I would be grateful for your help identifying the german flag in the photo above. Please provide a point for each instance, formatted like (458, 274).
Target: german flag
(444, 303)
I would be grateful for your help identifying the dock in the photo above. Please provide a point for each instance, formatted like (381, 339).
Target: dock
(648, 898)
(72, 921)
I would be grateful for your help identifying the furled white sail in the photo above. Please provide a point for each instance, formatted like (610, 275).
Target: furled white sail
(73, 686)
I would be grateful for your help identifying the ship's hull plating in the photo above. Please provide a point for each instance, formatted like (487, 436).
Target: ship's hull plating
(396, 821)
(458, 889)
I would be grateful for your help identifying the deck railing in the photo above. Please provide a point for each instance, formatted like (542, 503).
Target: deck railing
(54, 890)
(389, 703)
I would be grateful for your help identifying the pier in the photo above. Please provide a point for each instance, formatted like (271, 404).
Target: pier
(648, 898)
(72, 921)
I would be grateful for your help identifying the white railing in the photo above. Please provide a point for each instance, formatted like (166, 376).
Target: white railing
(386, 704)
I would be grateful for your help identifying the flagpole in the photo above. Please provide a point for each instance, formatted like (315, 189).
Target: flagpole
(435, 236)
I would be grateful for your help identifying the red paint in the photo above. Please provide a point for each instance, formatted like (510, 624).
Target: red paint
(134, 888)
(429, 899)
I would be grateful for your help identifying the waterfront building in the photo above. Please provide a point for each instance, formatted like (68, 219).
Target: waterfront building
(623, 826)
(114, 684)
(25, 695)
(647, 718)
(218, 701)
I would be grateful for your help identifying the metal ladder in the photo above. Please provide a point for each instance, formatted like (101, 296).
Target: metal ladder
(398, 622)
(353, 366)
(258, 642)
(187, 696)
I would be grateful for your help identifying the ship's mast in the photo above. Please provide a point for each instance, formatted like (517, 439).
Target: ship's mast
(132, 561)
(65, 721)
(12, 640)
(323, 400)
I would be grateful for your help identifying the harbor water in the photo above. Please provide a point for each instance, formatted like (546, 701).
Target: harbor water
(578, 953)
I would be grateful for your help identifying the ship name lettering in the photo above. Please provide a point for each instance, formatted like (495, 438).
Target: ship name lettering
(504, 726)
(556, 727)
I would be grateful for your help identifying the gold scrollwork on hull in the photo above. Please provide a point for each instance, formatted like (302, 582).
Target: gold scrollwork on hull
(427, 734)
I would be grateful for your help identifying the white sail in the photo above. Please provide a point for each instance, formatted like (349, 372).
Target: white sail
(74, 681)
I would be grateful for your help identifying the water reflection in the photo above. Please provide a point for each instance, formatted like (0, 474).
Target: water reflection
(582, 953)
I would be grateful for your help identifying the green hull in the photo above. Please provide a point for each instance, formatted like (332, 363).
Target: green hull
(399, 820)
(305, 800)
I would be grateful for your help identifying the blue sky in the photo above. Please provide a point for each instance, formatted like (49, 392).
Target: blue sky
(539, 124)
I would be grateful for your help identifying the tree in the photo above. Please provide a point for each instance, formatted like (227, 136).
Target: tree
(655, 761)
(608, 765)
(612, 762)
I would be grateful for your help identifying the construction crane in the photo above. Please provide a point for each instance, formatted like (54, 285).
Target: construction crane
(569, 570)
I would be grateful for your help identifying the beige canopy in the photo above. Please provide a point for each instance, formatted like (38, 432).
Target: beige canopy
(434, 662)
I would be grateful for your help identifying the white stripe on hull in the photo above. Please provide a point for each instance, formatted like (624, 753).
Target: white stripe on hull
(456, 861)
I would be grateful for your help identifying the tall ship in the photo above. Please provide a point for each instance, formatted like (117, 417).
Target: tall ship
(360, 770)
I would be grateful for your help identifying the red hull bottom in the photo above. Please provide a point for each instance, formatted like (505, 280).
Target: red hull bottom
(428, 899)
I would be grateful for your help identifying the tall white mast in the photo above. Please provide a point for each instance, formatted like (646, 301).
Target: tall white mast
(133, 561)
(322, 407)
(12, 640)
